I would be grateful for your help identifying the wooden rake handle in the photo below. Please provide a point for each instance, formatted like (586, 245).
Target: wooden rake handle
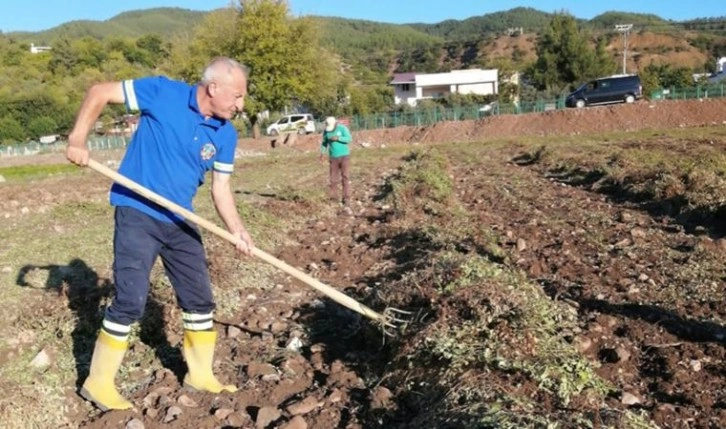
(328, 291)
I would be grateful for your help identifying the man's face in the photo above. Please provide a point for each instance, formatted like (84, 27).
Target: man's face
(228, 95)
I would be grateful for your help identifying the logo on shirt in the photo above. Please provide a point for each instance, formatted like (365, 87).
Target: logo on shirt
(208, 151)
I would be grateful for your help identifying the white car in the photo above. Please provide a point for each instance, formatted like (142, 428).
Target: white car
(301, 123)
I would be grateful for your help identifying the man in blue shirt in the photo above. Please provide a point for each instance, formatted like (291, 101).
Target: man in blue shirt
(184, 131)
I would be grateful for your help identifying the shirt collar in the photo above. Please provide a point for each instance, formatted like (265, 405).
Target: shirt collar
(194, 106)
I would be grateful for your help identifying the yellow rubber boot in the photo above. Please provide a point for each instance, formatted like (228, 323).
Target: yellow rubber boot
(99, 387)
(199, 353)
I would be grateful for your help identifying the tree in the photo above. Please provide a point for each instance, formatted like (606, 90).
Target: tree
(11, 130)
(42, 126)
(280, 52)
(660, 76)
(63, 58)
(155, 47)
(288, 67)
(368, 99)
(565, 56)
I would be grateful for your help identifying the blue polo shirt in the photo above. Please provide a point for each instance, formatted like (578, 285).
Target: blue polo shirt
(173, 147)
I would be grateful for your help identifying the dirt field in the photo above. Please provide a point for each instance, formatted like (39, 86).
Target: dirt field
(639, 116)
(563, 269)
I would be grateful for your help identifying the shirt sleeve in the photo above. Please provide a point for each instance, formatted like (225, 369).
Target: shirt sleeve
(345, 136)
(139, 94)
(226, 141)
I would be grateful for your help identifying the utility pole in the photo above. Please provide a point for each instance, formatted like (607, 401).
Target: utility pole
(625, 29)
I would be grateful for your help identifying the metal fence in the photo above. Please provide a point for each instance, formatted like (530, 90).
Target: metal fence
(34, 147)
(705, 91)
(429, 116)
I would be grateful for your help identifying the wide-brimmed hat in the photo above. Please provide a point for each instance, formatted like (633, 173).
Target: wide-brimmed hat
(329, 123)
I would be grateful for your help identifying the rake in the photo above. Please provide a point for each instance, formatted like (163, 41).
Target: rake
(390, 321)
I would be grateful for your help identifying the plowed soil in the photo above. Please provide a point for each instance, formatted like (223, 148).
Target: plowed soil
(647, 292)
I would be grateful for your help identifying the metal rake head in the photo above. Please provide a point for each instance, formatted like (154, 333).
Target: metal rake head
(395, 320)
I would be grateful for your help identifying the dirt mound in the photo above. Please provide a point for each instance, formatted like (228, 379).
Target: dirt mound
(634, 117)
(640, 116)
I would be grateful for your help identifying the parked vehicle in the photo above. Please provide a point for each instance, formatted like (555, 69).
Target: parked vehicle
(301, 123)
(612, 89)
(489, 109)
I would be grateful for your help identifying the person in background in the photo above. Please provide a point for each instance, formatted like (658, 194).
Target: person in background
(184, 131)
(336, 144)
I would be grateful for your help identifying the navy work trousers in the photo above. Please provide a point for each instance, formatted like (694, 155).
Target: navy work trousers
(138, 240)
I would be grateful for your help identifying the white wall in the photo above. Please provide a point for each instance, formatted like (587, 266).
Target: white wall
(721, 65)
(400, 96)
(458, 77)
(477, 88)
(433, 85)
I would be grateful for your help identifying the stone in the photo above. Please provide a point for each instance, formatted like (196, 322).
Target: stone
(187, 401)
(297, 422)
(260, 369)
(41, 360)
(521, 245)
(135, 424)
(223, 413)
(172, 413)
(305, 406)
(267, 415)
(233, 332)
(583, 344)
(629, 399)
(622, 353)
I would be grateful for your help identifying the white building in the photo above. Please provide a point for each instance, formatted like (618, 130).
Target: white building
(38, 49)
(721, 65)
(411, 87)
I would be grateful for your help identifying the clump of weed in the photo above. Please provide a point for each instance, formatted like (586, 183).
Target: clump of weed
(494, 341)
(423, 178)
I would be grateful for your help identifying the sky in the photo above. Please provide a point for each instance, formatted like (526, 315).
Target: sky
(44, 14)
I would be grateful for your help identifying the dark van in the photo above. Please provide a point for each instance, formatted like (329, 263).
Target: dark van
(613, 89)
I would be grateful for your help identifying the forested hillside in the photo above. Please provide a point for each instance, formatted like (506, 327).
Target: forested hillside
(531, 20)
(333, 65)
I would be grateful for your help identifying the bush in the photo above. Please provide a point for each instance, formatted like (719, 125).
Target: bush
(11, 130)
(42, 126)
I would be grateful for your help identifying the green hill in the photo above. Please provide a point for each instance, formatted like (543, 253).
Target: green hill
(608, 20)
(374, 49)
(354, 34)
(531, 20)
(164, 22)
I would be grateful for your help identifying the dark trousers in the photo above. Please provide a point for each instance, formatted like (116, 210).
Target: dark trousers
(339, 169)
(138, 240)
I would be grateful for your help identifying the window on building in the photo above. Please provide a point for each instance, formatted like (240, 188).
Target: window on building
(406, 87)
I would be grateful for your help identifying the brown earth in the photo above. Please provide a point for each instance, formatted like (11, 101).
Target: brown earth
(640, 116)
(643, 300)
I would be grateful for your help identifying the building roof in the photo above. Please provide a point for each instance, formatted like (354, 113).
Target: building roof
(401, 78)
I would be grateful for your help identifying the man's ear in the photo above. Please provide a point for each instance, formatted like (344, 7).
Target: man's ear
(212, 89)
